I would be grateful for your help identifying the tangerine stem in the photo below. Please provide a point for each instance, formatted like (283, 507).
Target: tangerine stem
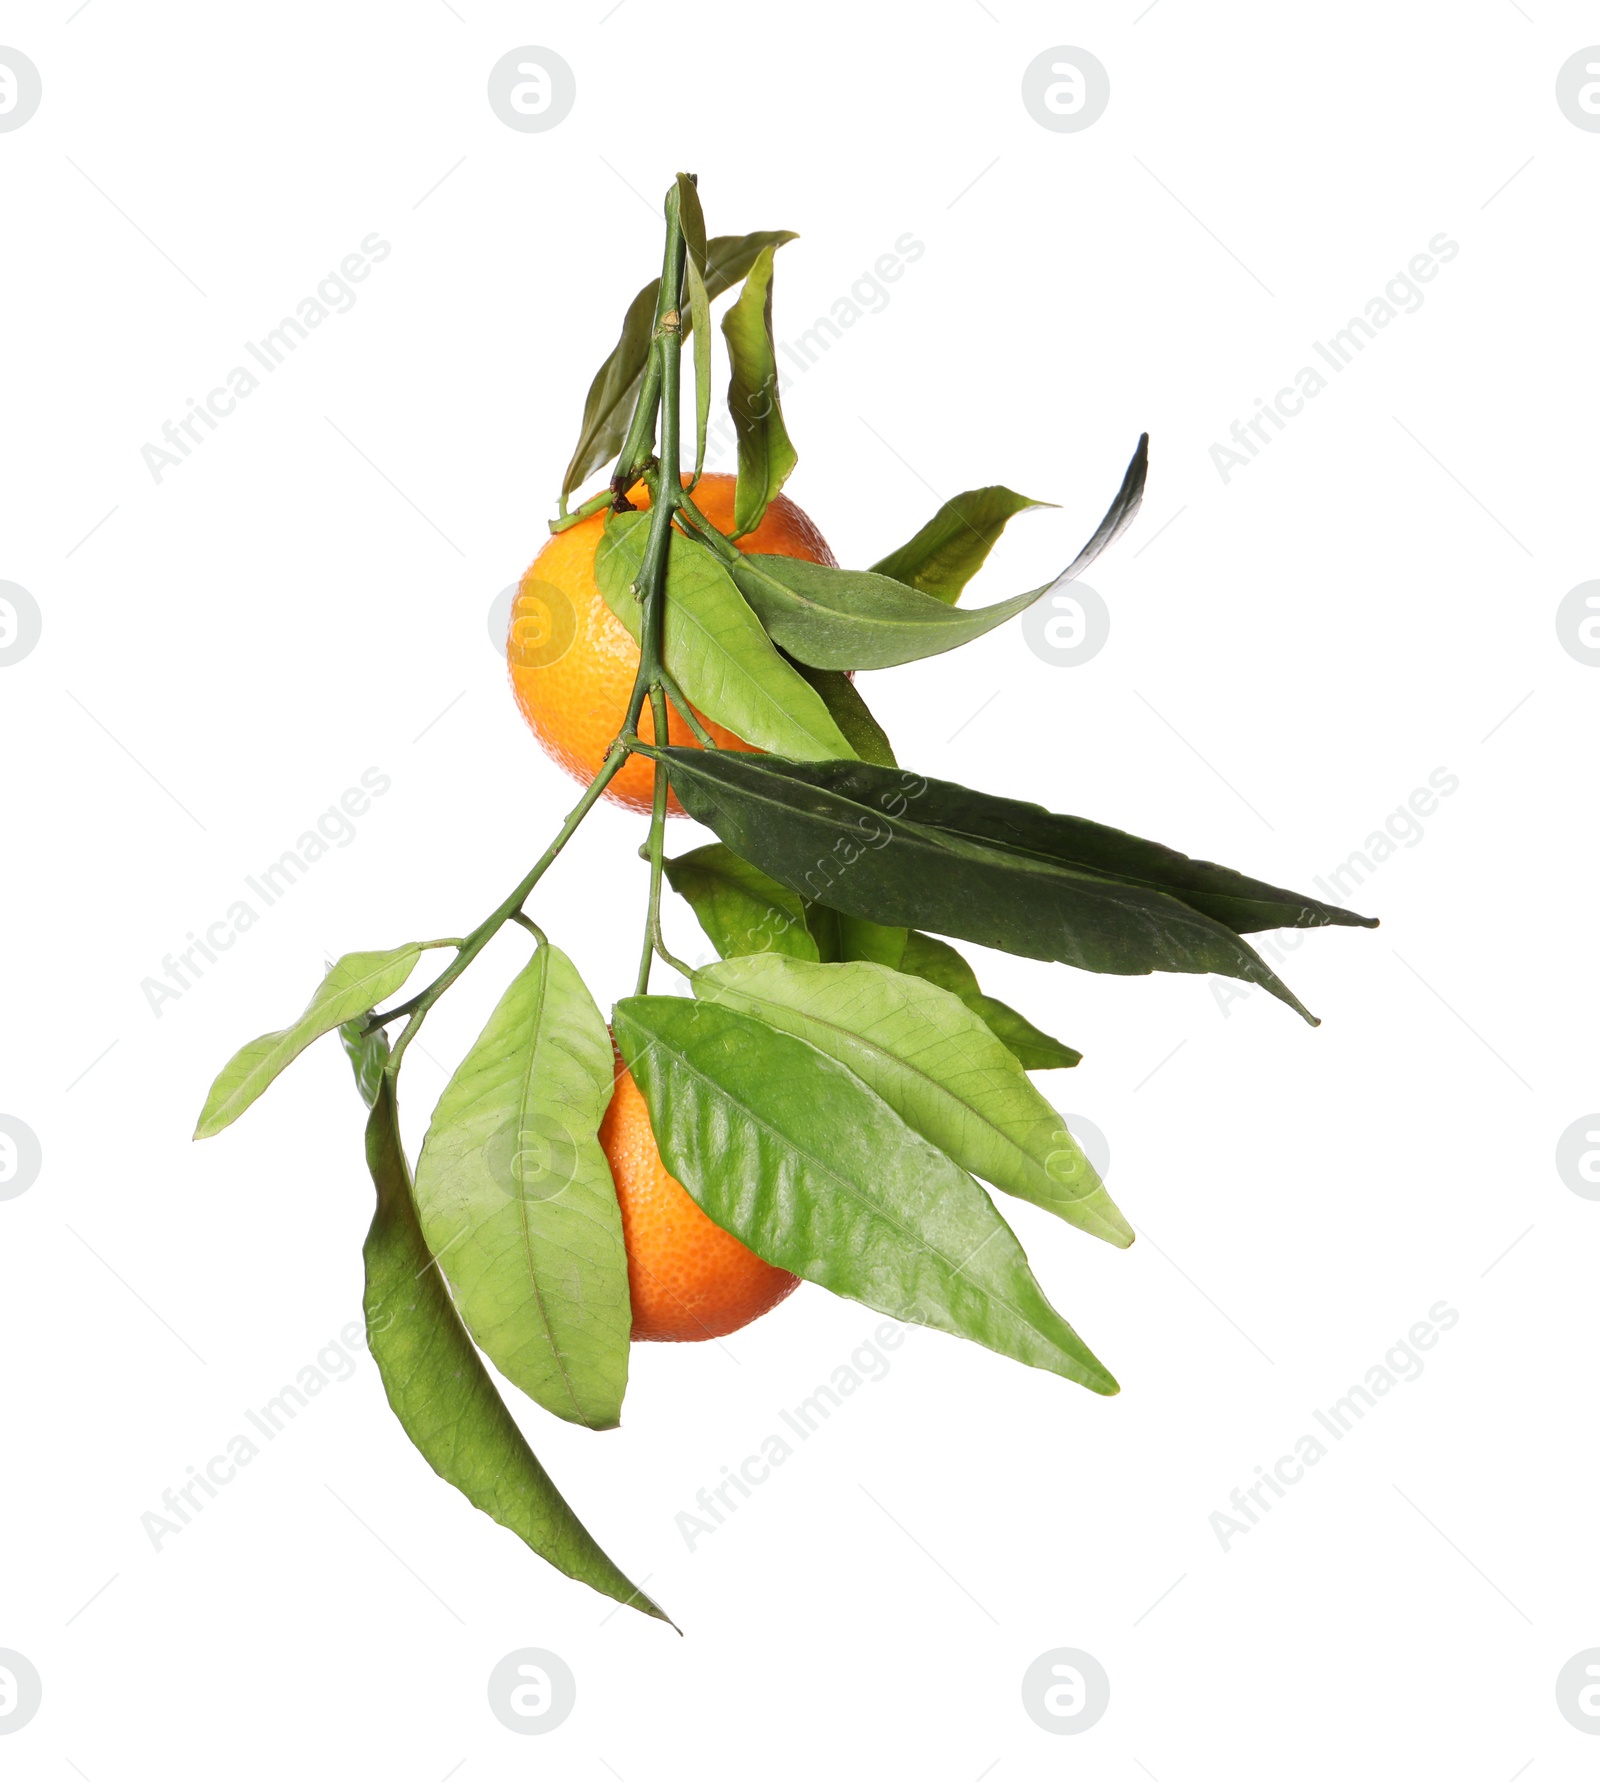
(650, 585)
(658, 825)
(685, 711)
(659, 390)
(491, 925)
(686, 972)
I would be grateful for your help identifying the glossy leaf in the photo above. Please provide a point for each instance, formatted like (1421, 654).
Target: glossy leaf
(937, 1065)
(766, 455)
(815, 1172)
(839, 693)
(739, 907)
(1243, 904)
(714, 645)
(441, 1391)
(354, 984)
(842, 618)
(693, 222)
(517, 1202)
(941, 964)
(950, 550)
(877, 859)
(609, 405)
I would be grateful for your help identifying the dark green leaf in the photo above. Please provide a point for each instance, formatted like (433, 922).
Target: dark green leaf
(878, 859)
(839, 693)
(1243, 904)
(354, 984)
(941, 964)
(714, 645)
(693, 222)
(950, 550)
(766, 455)
(517, 1202)
(937, 1065)
(842, 618)
(815, 1172)
(442, 1393)
(739, 907)
(609, 406)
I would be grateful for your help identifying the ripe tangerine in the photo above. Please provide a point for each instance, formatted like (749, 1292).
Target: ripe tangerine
(573, 663)
(688, 1278)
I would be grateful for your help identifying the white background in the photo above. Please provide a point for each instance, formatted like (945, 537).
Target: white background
(1372, 599)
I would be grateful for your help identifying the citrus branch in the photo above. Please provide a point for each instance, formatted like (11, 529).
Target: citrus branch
(658, 398)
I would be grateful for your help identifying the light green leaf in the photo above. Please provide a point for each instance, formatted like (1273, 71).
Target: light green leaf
(941, 964)
(766, 455)
(693, 222)
(739, 907)
(715, 648)
(440, 1390)
(354, 984)
(799, 1159)
(517, 1202)
(950, 550)
(845, 618)
(937, 1065)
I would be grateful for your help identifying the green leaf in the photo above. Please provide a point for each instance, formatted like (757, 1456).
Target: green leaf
(766, 455)
(838, 692)
(442, 1393)
(815, 1172)
(739, 907)
(368, 1054)
(1243, 904)
(693, 222)
(714, 645)
(517, 1202)
(937, 1065)
(842, 938)
(872, 859)
(843, 618)
(950, 550)
(941, 964)
(354, 984)
(609, 405)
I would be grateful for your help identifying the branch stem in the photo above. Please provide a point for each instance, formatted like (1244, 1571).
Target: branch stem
(658, 398)
(491, 925)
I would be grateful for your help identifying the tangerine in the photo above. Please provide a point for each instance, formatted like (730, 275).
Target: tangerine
(573, 663)
(688, 1278)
